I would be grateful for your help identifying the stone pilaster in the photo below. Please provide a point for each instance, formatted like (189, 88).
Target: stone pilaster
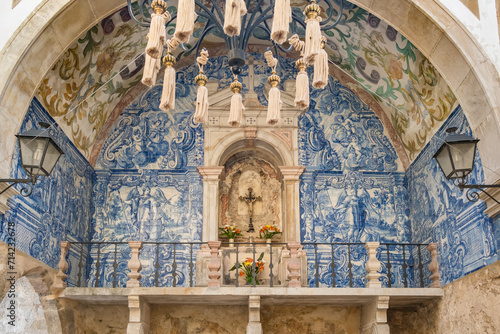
(211, 176)
(374, 316)
(291, 201)
(254, 326)
(139, 315)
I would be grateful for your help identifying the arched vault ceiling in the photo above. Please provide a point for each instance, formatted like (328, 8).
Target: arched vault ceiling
(90, 79)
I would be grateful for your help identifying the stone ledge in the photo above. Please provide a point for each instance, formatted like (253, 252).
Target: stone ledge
(269, 296)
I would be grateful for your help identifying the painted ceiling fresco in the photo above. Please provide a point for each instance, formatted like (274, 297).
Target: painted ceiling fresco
(90, 79)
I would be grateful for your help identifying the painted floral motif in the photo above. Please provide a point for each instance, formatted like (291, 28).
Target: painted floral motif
(89, 79)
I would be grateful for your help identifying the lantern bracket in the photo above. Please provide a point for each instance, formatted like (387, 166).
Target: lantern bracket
(474, 189)
(27, 188)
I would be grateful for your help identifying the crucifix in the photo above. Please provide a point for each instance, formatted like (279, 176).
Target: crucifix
(250, 199)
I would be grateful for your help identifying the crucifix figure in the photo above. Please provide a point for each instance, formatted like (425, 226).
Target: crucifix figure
(250, 199)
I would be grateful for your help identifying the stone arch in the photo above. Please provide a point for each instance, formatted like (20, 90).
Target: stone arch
(439, 36)
(264, 141)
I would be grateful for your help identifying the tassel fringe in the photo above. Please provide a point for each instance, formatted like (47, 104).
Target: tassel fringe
(236, 111)
(321, 70)
(168, 95)
(235, 9)
(274, 106)
(156, 37)
(201, 114)
(281, 21)
(151, 68)
(313, 40)
(185, 20)
(302, 86)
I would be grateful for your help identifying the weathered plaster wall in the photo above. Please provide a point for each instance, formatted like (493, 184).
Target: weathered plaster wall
(59, 207)
(470, 305)
(440, 212)
(194, 319)
(310, 319)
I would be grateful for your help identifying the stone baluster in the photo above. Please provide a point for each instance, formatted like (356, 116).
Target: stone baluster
(134, 264)
(372, 266)
(294, 265)
(214, 264)
(434, 265)
(60, 279)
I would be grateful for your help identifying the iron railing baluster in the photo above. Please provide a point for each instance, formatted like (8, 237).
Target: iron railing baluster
(174, 273)
(350, 265)
(157, 265)
(420, 267)
(333, 266)
(97, 265)
(405, 266)
(115, 265)
(191, 265)
(316, 265)
(80, 264)
(389, 266)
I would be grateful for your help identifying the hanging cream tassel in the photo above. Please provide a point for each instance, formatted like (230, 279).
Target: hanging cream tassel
(151, 68)
(156, 36)
(237, 108)
(281, 20)
(235, 9)
(302, 85)
(201, 114)
(185, 20)
(313, 32)
(321, 67)
(168, 95)
(274, 101)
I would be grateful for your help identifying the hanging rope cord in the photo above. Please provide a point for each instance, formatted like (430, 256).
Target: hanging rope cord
(202, 59)
(271, 61)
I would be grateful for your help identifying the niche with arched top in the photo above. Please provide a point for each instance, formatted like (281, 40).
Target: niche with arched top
(244, 170)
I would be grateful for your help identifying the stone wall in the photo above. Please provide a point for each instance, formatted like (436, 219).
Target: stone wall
(193, 319)
(470, 305)
(310, 319)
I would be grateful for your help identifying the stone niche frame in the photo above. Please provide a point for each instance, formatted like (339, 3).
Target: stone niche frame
(279, 142)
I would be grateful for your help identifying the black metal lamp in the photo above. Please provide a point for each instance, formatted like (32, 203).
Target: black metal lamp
(39, 154)
(456, 159)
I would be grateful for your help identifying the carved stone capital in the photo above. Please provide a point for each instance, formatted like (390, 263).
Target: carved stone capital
(210, 173)
(291, 173)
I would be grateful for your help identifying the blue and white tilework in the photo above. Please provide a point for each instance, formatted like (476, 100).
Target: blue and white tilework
(59, 207)
(440, 212)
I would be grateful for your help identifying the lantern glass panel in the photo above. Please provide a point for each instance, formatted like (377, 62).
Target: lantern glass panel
(51, 158)
(32, 150)
(443, 159)
(463, 157)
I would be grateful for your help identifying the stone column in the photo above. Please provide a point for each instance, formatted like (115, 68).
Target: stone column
(291, 202)
(434, 265)
(60, 279)
(372, 266)
(374, 316)
(211, 177)
(254, 326)
(134, 264)
(139, 315)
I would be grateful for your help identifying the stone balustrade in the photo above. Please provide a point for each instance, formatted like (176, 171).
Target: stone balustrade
(285, 267)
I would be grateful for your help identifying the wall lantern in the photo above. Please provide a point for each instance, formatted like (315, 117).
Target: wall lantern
(456, 159)
(39, 154)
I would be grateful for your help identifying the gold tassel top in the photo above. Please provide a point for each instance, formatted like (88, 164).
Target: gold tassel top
(274, 80)
(312, 10)
(169, 60)
(159, 6)
(236, 86)
(201, 79)
(301, 64)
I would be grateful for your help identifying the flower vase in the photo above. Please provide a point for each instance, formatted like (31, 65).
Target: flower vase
(268, 243)
(231, 243)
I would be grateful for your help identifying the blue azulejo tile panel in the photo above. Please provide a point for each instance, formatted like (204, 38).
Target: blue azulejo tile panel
(147, 205)
(441, 213)
(59, 207)
(353, 187)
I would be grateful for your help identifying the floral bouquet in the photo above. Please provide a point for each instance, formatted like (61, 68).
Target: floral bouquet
(230, 231)
(247, 269)
(268, 231)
